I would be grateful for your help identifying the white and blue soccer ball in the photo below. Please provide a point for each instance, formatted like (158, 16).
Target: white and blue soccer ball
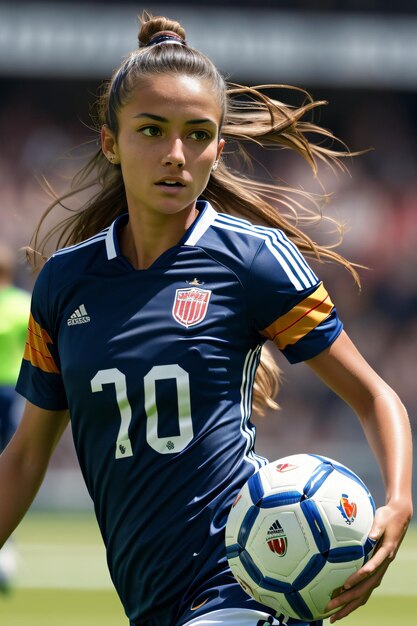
(297, 529)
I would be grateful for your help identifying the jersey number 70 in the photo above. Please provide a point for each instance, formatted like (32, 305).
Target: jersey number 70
(163, 445)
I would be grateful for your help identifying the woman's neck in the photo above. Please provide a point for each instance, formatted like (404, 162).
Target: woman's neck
(145, 238)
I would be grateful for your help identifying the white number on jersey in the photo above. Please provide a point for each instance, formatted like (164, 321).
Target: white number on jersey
(118, 379)
(163, 445)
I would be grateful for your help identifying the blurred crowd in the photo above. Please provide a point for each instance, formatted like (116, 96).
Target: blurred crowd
(42, 121)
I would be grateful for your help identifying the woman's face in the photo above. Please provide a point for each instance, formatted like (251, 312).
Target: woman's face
(167, 142)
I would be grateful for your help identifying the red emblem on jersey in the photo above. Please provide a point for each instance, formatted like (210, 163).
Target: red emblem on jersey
(190, 306)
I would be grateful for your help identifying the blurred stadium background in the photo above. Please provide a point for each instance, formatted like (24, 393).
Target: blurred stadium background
(359, 55)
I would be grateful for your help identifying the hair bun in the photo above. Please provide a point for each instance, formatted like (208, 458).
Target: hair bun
(151, 27)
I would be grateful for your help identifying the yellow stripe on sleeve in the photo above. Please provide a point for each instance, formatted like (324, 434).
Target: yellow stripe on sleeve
(36, 349)
(302, 319)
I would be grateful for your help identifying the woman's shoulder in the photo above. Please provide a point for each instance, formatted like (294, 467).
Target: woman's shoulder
(235, 232)
(84, 248)
(67, 264)
(268, 253)
(248, 239)
(244, 226)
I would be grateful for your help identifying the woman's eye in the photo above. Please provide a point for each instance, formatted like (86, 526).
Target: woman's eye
(150, 131)
(200, 135)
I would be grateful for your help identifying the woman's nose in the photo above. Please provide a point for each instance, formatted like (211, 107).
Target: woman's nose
(175, 154)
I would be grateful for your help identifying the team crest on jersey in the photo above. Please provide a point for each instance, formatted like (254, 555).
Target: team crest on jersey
(190, 306)
(277, 539)
(348, 509)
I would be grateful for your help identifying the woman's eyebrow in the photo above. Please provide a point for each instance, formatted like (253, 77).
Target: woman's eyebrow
(204, 120)
(159, 118)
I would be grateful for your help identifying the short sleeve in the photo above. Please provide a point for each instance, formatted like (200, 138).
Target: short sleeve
(40, 379)
(287, 302)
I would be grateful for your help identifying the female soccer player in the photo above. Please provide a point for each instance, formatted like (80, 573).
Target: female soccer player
(146, 331)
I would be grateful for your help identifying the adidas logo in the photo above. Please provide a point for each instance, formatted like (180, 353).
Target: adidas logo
(80, 316)
(276, 529)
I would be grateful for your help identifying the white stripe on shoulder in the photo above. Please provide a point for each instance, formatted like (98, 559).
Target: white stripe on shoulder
(286, 253)
(293, 252)
(88, 242)
(206, 220)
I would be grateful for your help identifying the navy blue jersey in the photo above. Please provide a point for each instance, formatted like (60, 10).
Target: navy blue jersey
(156, 367)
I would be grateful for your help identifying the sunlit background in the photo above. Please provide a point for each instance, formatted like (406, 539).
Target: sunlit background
(360, 56)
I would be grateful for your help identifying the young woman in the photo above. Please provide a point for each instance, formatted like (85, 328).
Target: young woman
(146, 331)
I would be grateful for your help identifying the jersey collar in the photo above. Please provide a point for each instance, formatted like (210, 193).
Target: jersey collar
(112, 243)
(206, 217)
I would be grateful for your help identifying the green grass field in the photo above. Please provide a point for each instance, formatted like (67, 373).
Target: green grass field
(63, 581)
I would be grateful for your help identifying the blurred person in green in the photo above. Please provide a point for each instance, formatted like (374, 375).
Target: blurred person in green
(14, 315)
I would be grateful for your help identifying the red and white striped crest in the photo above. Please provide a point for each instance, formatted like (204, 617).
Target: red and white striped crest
(190, 306)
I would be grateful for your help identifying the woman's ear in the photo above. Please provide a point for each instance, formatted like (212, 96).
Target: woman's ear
(220, 148)
(109, 145)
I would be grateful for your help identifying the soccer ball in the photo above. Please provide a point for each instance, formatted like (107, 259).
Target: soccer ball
(297, 529)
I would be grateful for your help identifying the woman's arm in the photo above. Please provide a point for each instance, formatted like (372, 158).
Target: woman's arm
(24, 462)
(387, 428)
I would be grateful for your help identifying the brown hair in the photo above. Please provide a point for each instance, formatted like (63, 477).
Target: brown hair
(250, 116)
